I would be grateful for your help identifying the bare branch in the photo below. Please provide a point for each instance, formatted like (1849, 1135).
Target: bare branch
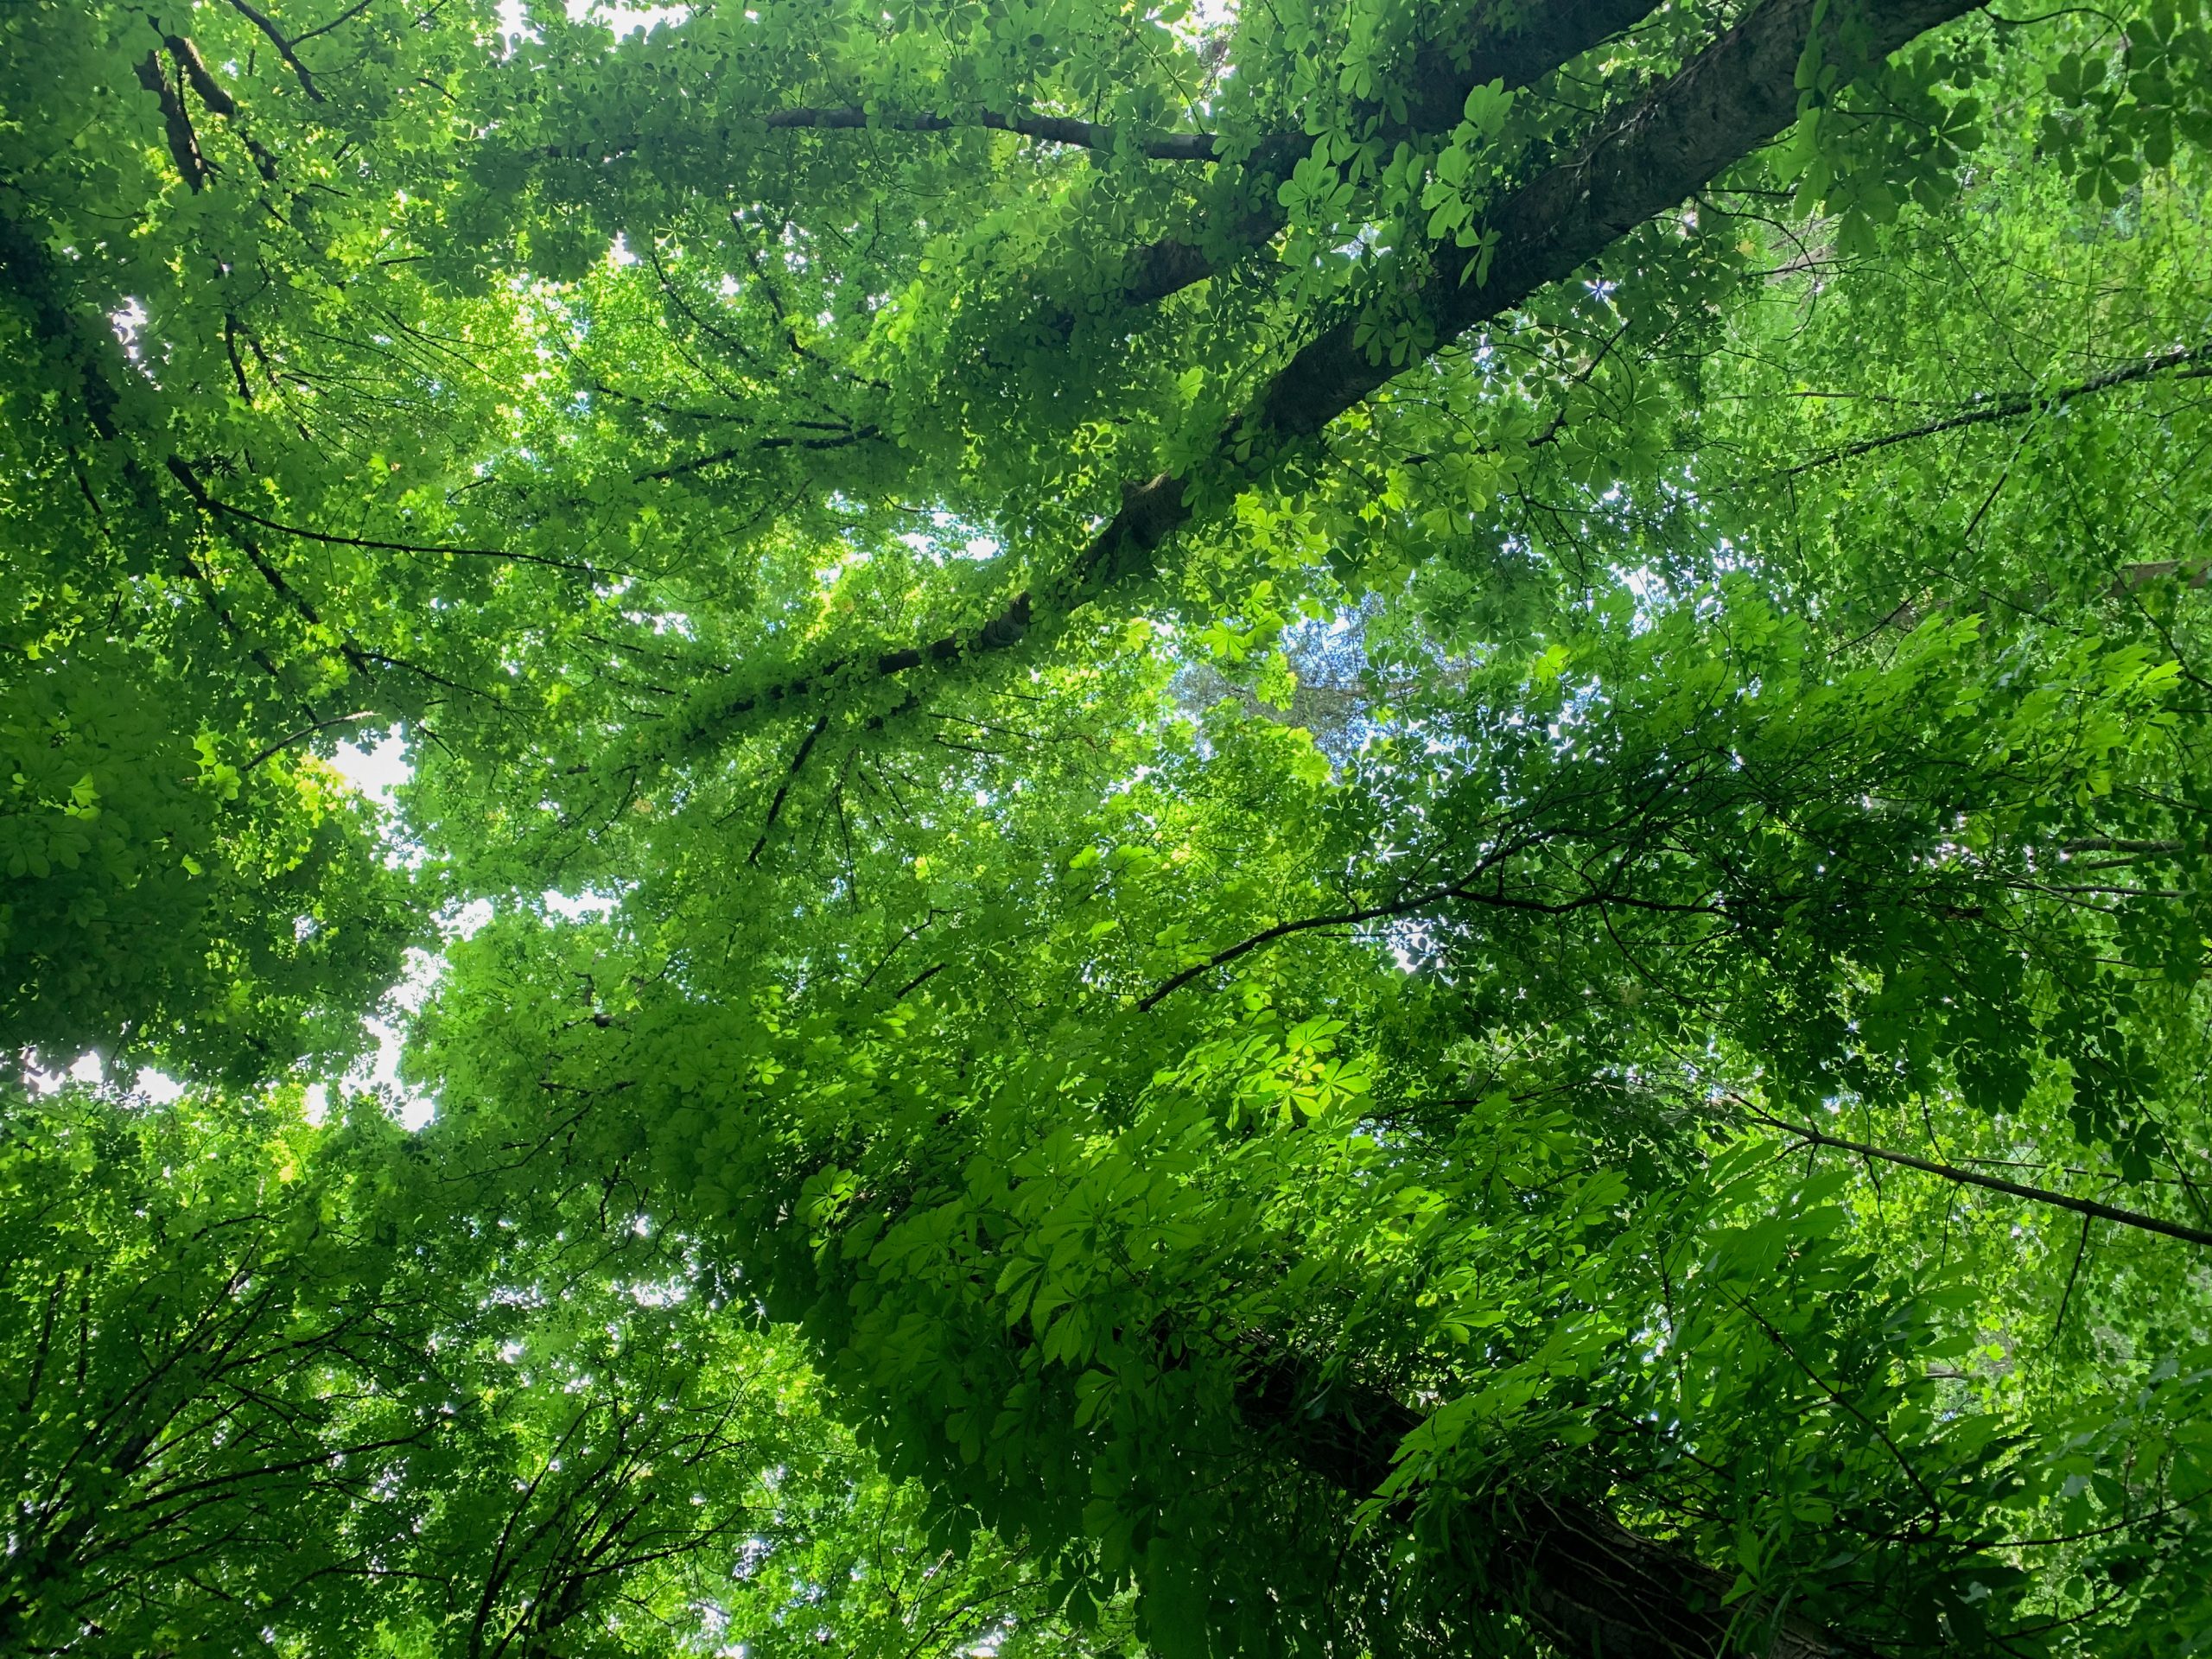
(2193, 362)
(1966, 1177)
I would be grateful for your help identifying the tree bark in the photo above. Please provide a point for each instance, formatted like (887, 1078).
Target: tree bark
(1738, 94)
(1592, 1588)
(1531, 42)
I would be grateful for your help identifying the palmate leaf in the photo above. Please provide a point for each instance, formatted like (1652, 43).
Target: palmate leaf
(1352, 828)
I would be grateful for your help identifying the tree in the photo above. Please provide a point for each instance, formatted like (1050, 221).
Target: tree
(1676, 1127)
(263, 1391)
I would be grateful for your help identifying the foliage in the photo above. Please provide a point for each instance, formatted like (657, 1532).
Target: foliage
(1357, 828)
(259, 1396)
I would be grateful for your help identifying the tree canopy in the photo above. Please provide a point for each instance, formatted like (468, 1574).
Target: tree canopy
(1262, 828)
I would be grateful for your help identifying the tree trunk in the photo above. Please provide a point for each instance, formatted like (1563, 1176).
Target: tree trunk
(1592, 1588)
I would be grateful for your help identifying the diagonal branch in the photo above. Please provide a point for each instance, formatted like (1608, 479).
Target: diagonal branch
(305, 609)
(1738, 94)
(2193, 362)
(283, 743)
(184, 143)
(193, 68)
(292, 596)
(783, 788)
(344, 17)
(2089, 1207)
(261, 21)
(1520, 46)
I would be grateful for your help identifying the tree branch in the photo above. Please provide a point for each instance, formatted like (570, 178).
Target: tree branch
(228, 511)
(1994, 1184)
(868, 434)
(1046, 129)
(1528, 44)
(184, 143)
(776, 806)
(262, 21)
(299, 602)
(1461, 891)
(1594, 1589)
(283, 743)
(192, 68)
(2193, 362)
(1737, 95)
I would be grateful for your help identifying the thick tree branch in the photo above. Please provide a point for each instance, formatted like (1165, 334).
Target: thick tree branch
(193, 68)
(184, 143)
(1522, 45)
(1001, 633)
(1520, 48)
(1738, 94)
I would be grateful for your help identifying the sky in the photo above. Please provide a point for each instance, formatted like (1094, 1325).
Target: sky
(623, 17)
(378, 772)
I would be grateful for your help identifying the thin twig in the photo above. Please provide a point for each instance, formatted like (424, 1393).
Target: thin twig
(2190, 360)
(283, 743)
(2073, 1273)
(369, 544)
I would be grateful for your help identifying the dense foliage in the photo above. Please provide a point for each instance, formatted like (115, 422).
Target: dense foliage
(1352, 827)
